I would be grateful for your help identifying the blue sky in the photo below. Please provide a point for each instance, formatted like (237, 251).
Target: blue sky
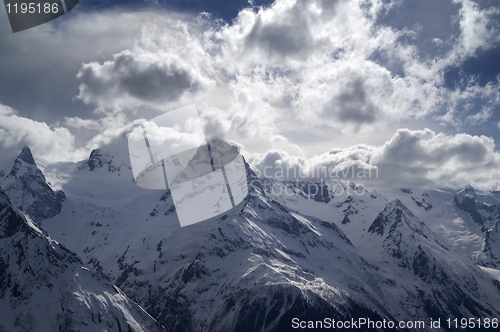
(220, 9)
(297, 83)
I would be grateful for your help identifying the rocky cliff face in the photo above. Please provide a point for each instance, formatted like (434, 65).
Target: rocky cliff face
(46, 287)
(484, 211)
(339, 252)
(27, 188)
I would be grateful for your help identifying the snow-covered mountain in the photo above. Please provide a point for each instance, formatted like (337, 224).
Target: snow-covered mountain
(27, 189)
(291, 250)
(484, 210)
(386, 230)
(465, 221)
(45, 287)
(186, 277)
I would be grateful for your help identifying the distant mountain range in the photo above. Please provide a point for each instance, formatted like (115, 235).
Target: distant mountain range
(291, 253)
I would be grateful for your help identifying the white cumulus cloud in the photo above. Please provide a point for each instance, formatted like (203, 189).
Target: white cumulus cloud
(418, 157)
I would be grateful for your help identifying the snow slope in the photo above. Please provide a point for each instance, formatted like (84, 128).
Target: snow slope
(300, 253)
(45, 287)
(27, 189)
(466, 222)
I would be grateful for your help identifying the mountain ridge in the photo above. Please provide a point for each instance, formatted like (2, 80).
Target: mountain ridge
(46, 287)
(27, 188)
(295, 247)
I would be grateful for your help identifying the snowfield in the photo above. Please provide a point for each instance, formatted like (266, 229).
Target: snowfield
(285, 251)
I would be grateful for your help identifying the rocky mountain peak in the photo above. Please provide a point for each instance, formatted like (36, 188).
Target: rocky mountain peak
(25, 163)
(98, 158)
(44, 285)
(397, 204)
(467, 192)
(26, 156)
(264, 261)
(28, 190)
(394, 212)
(466, 200)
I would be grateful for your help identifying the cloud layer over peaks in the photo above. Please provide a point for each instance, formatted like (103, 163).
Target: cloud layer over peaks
(282, 79)
(351, 66)
(413, 158)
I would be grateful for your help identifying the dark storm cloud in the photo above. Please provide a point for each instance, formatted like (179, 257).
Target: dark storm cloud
(352, 104)
(139, 78)
(289, 37)
(38, 81)
(38, 66)
(157, 83)
(425, 148)
(329, 7)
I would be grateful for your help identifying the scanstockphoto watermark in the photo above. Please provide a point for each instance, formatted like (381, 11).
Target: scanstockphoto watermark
(291, 173)
(310, 190)
(317, 182)
(205, 178)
